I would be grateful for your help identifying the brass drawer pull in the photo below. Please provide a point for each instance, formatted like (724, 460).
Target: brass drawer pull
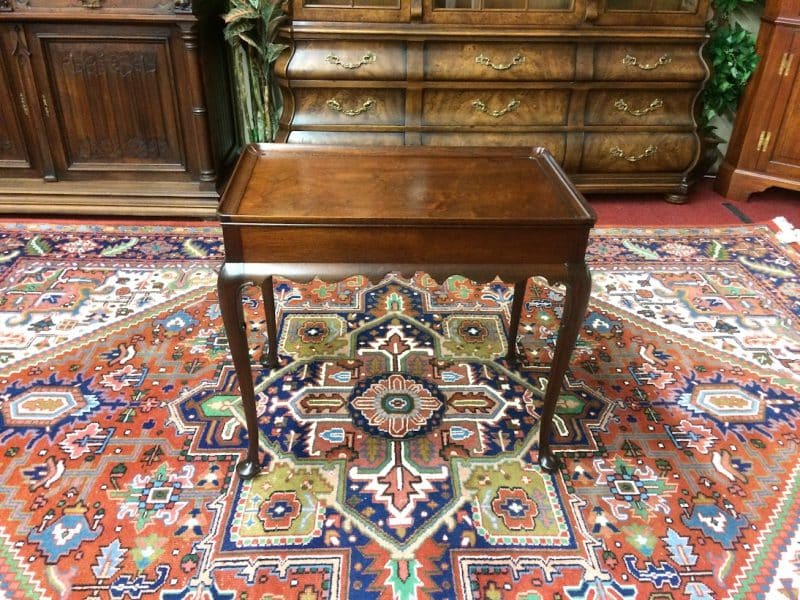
(92, 3)
(367, 59)
(334, 105)
(518, 59)
(634, 62)
(622, 106)
(618, 152)
(480, 106)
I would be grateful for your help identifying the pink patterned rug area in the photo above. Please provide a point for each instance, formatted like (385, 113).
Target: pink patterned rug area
(399, 447)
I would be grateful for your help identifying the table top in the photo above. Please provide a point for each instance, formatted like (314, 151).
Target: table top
(401, 185)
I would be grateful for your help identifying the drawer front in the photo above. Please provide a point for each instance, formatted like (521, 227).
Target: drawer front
(346, 138)
(499, 61)
(556, 143)
(348, 106)
(640, 107)
(368, 59)
(638, 152)
(501, 108)
(648, 62)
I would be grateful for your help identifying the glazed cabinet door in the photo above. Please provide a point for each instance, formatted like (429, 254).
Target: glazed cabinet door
(505, 12)
(378, 11)
(18, 152)
(668, 13)
(109, 99)
(779, 143)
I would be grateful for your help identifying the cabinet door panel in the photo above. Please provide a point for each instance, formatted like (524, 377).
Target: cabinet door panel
(110, 98)
(782, 157)
(16, 153)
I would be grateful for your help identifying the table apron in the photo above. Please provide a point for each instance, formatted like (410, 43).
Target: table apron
(394, 244)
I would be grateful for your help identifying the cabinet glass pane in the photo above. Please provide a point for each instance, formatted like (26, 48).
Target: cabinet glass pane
(518, 5)
(352, 3)
(689, 6)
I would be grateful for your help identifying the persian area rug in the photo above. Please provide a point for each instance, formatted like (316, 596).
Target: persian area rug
(400, 448)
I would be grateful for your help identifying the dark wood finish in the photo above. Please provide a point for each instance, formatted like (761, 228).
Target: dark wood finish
(115, 108)
(608, 87)
(17, 157)
(764, 150)
(305, 211)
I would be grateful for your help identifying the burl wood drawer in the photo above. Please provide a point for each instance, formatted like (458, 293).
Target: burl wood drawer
(640, 107)
(348, 60)
(499, 61)
(499, 108)
(347, 138)
(648, 62)
(555, 142)
(638, 152)
(348, 106)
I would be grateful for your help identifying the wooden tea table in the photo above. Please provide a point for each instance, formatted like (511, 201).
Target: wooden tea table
(330, 212)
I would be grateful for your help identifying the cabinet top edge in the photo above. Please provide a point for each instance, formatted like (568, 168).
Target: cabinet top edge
(425, 31)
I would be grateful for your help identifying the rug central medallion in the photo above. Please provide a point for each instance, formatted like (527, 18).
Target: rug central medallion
(396, 405)
(410, 419)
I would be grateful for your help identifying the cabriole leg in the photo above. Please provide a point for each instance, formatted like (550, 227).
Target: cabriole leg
(512, 357)
(229, 287)
(268, 291)
(578, 288)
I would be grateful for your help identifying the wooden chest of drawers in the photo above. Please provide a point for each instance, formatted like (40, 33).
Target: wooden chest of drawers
(614, 104)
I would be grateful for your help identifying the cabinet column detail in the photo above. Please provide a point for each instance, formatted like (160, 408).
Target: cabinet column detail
(199, 110)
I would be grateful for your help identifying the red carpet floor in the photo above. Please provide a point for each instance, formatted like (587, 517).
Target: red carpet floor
(705, 208)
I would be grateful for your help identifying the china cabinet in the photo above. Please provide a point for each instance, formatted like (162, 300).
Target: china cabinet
(112, 107)
(608, 86)
(765, 144)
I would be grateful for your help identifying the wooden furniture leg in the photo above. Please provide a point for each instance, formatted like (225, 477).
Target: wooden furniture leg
(512, 356)
(578, 287)
(268, 292)
(229, 287)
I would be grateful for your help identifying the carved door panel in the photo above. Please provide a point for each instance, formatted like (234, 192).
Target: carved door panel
(18, 156)
(109, 97)
(779, 142)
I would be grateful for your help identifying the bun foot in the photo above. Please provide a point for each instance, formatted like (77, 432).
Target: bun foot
(676, 198)
(247, 469)
(548, 461)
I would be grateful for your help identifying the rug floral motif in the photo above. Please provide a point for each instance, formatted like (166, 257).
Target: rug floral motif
(399, 448)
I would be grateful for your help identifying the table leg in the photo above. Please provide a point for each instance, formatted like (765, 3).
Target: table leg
(520, 287)
(578, 288)
(268, 292)
(229, 287)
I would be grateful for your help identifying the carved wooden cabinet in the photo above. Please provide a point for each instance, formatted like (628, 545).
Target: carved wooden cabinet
(112, 107)
(765, 144)
(608, 86)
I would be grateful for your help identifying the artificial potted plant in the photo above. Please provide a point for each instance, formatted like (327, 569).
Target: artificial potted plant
(251, 27)
(732, 58)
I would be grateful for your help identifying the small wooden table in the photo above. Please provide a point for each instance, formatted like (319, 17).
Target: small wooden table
(330, 212)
